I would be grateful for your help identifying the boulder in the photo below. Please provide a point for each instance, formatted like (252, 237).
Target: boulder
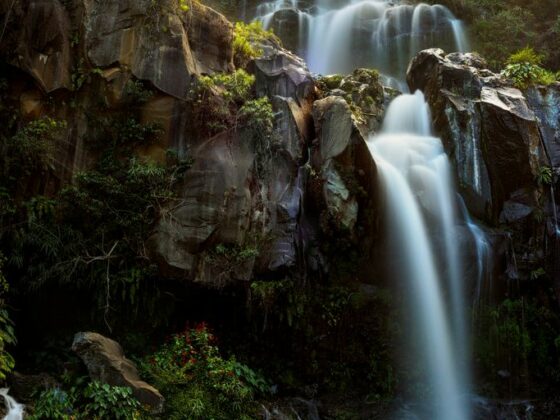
(106, 362)
(342, 159)
(24, 388)
(278, 72)
(214, 207)
(364, 93)
(488, 128)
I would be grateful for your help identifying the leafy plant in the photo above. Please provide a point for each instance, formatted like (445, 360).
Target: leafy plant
(217, 99)
(110, 402)
(246, 40)
(7, 335)
(524, 69)
(544, 175)
(54, 404)
(30, 150)
(198, 382)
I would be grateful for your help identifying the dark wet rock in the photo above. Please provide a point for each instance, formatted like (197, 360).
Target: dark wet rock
(342, 160)
(363, 92)
(106, 363)
(157, 41)
(40, 45)
(279, 72)
(545, 102)
(24, 388)
(487, 127)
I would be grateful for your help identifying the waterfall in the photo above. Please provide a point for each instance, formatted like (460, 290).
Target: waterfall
(420, 202)
(14, 410)
(336, 37)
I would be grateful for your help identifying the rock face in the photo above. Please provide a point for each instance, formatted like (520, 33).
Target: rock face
(157, 41)
(502, 142)
(107, 363)
(488, 129)
(257, 210)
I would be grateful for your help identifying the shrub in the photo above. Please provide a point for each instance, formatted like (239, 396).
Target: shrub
(524, 69)
(54, 404)
(110, 402)
(233, 87)
(197, 382)
(217, 98)
(257, 115)
(246, 37)
(7, 336)
(526, 55)
(30, 150)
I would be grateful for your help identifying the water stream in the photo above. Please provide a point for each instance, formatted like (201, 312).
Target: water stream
(424, 214)
(336, 37)
(416, 180)
(14, 410)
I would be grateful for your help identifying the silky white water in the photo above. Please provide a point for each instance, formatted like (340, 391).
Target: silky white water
(14, 410)
(420, 202)
(336, 37)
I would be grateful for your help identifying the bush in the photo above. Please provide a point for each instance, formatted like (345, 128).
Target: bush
(524, 69)
(7, 336)
(30, 151)
(197, 382)
(53, 404)
(218, 97)
(233, 87)
(246, 37)
(110, 402)
(526, 56)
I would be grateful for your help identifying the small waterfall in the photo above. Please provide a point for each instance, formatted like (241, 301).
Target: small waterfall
(483, 250)
(336, 37)
(14, 410)
(420, 200)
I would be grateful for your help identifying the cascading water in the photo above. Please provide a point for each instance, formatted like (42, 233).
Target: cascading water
(414, 174)
(383, 34)
(14, 410)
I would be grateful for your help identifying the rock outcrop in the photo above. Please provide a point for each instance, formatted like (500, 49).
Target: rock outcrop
(488, 129)
(504, 144)
(106, 363)
(242, 206)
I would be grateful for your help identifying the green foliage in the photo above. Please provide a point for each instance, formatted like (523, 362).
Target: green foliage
(524, 69)
(110, 402)
(92, 232)
(518, 336)
(526, 55)
(53, 404)
(544, 176)
(7, 335)
(246, 40)
(501, 27)
(197, 382)
(258, 116)
(136, 93)
(30, 151)
(183, 5)
(217, 99)
(83, 74)
(233, 87)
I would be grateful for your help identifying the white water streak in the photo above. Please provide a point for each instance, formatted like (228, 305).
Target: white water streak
(415, 176)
